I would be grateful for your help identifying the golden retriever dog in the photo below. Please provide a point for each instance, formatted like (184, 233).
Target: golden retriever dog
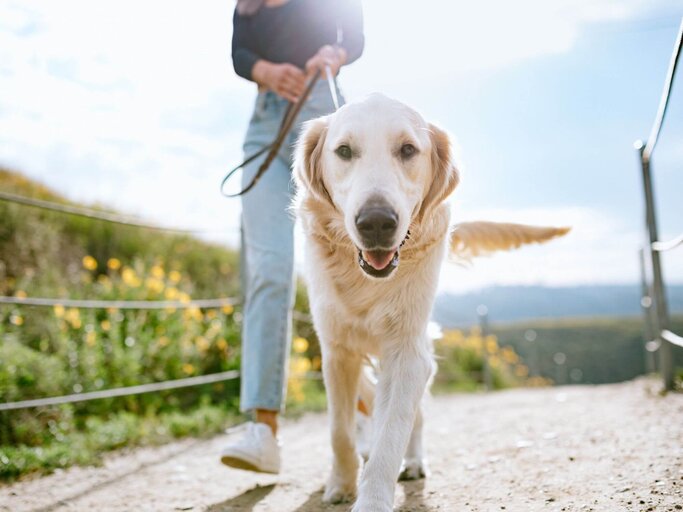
(372, 180)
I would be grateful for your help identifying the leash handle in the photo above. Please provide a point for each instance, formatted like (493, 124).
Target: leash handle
(287, 121)
(333, 89)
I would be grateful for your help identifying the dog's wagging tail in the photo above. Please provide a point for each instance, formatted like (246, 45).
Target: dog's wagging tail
(471, 239)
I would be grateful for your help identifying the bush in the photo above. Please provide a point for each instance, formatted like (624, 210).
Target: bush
(461, 363)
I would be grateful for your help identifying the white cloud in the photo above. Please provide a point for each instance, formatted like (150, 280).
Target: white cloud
(411, 44)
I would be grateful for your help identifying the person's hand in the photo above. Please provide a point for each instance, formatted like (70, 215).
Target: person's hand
(285, 80)
(327, 56)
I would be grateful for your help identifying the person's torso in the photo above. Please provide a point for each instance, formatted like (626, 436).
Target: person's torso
(294, 31)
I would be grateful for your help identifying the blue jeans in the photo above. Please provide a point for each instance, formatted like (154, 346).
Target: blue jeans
(268, 252)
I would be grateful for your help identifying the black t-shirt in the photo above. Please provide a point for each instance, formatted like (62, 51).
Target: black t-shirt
(295, 31)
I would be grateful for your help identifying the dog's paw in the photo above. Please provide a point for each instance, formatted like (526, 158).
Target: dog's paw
(336, 492)
(413, 469)
(371, 506)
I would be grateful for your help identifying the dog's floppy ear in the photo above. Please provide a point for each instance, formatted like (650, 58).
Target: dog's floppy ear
(308, 158)
(444, 173)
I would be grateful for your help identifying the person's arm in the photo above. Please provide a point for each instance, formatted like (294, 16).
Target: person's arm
(350, 19)
(243, 58)
(285, 79)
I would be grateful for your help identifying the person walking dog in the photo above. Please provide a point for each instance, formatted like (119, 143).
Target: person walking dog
(278, 44)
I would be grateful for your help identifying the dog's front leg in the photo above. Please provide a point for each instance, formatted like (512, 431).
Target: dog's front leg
(341, 369)
(403, 378)
(414, 464)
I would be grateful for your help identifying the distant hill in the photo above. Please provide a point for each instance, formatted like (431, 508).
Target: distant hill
(517, 303)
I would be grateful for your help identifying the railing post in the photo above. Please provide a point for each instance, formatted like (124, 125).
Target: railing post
(649, 334)
(483, 313)
(661, 316)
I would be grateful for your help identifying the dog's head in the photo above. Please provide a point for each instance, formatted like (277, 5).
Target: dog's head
(380, 166)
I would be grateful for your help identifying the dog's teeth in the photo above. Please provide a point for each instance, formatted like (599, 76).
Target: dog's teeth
(394, 260)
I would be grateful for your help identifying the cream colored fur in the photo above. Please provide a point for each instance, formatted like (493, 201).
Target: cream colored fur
(356, 315)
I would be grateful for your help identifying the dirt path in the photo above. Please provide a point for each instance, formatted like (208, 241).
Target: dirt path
(615, 447)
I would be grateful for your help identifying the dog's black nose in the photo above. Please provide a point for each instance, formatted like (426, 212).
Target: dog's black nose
(377, 225)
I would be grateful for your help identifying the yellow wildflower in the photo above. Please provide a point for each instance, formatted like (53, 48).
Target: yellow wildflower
(521, 370)
(158, 272)
(509, 355)
(21, 294)
(90, 338)
(188, 368)
(174, 276)
(171, 293)
(16, 320)
(163, 341)
(129, 277)
(184, 297)
(202, 343)
(227, 309)
(300, 345)
(154, 284)
(113, 263)
(299, 365)
(105, 325)
(222, 344)
(104, 280)
(491, 344)
(73, 317)
(59, 310)
(211, 314)
(89, 263)
(194, 314)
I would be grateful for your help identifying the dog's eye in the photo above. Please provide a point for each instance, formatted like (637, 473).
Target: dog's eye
(408, 150)
(344, 152)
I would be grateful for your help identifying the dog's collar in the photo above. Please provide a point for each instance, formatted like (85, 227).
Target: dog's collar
(407, 237)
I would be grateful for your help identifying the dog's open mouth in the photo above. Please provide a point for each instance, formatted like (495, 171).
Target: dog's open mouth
(378, 263)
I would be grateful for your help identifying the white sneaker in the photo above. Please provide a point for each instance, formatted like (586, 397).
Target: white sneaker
(363, 435)
(258, 450)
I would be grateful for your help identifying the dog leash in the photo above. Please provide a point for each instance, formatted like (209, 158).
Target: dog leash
(287, 121)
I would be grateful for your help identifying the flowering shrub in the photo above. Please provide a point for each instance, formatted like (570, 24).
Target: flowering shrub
(461, 358)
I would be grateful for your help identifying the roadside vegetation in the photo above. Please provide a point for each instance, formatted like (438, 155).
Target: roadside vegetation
(52, 351)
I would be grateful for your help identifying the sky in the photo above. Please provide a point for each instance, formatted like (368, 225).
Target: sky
(135, 105)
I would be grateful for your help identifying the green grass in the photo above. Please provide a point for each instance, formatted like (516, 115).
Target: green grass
(85, 446)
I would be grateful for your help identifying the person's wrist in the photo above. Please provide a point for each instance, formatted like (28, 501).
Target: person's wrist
(261, 72)
(341, 55)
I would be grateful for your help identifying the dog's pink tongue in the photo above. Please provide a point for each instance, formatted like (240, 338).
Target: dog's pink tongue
(378, 259)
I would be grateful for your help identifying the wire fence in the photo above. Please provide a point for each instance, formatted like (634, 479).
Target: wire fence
(211, 303)
(654, 301)
(119, 304)
(90, 213)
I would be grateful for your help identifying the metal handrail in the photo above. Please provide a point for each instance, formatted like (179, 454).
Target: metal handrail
(664, 100)
(119, 304)
(672, 338)
(660, 246)
(137, 390)
(90, 213)
(660, 317)
(125, 391)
